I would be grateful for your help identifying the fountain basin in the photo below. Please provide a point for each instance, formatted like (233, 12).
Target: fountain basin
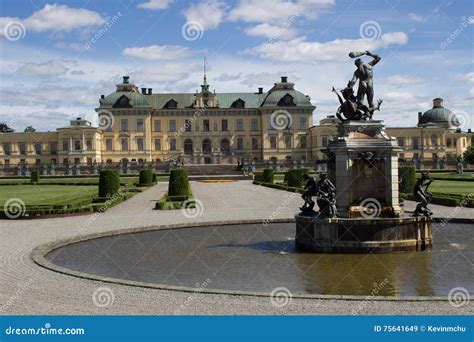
(362, 235)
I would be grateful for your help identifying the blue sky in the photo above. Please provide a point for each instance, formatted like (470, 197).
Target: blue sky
(57, 58)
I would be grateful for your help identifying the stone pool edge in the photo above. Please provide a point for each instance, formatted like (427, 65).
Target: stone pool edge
(38, 256)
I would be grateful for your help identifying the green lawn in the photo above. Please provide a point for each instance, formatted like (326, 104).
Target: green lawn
(46, 194)
(452, 187)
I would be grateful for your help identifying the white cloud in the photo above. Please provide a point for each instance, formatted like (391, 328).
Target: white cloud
(62, 18)
(155, 4)
(301, 50)
(208, 13)
(404, 80)
(416, 17)
(157, 52)
(469, 77)
(274, 11)
(271, 31)
(49, 68)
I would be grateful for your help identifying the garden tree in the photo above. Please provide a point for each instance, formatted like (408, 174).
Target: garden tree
(30, 129)
(469, 155)
(4, 128)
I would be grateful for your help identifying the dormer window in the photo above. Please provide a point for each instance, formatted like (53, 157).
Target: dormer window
(171, 104)
(122, 102)
(287, 101)
(238, 104)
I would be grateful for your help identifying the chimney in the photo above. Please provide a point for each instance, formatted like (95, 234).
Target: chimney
(150, 91)
(420, 114)
(260, 90)
(102, 97)
(144, 91)
(469, 130)
(125, 79)
(284, 79)
(438, 102)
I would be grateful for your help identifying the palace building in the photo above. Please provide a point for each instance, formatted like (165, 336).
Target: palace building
(201, 128)
(205, 127)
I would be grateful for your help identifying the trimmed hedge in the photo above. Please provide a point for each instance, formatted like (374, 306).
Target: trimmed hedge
(154, 178)
(35, 176)
(258, 176)
(448, 200)
(294, 177)
(178, 202)
(407, 176)
(179, 183)
(268, 176)
(109, 183)
(279, 186)
(146, 177)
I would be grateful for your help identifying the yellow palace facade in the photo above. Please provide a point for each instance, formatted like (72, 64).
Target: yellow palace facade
(205, 127)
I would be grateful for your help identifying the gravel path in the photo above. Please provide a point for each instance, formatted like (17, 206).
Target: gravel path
(26, 288)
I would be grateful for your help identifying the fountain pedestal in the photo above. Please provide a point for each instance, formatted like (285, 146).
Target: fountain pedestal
(363, 165)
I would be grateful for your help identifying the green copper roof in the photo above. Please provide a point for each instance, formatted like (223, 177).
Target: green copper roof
(136, 99)
(275, 96)
(438, 114)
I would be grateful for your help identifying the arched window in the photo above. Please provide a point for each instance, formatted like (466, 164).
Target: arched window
(238, 104)
(122, 102)
(124, 161)
(188, 146)
(206, 146)
(171, 104)
(225, 145)
(286, 101)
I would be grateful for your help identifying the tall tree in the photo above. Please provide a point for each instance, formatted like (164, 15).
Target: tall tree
(469, 155)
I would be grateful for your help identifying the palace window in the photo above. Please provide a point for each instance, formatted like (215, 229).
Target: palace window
(254, 125)
(172, 144)
(157, 144)
(38, 148)
(124, 143)
(38, 161)
(303, 123)
(65, 145)
(22, 148)
(157, 126)
(206, 126)
(324, 141)
(401, 141)
(238, 104)
(273, 142)
(187, 125)
(53, 147)
(108, 144)
(240, 143)
(124, 125)
(225, 125)
(140, 146)
(288, 140)
(171, 104)
(254, 143)
(303, 143)
(434, 140)
(416, 143)
(286, 101)
(239, 125)
(172, 125)
(140, 125)
(89, 144)
(77, 145)
(7, 162)
(66, 161)
(7, 149)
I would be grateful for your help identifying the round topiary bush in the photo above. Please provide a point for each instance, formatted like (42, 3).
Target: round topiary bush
(268, 176)
(179, 184)
(145, 178)
(294, 177)
(407, 176)
(109, 183)
(35, 176)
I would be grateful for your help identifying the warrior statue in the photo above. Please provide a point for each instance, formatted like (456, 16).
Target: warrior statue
(352, 106)
(422, 195)
(326, 197)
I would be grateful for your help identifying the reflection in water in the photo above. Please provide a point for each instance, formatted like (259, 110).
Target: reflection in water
(256, 258)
